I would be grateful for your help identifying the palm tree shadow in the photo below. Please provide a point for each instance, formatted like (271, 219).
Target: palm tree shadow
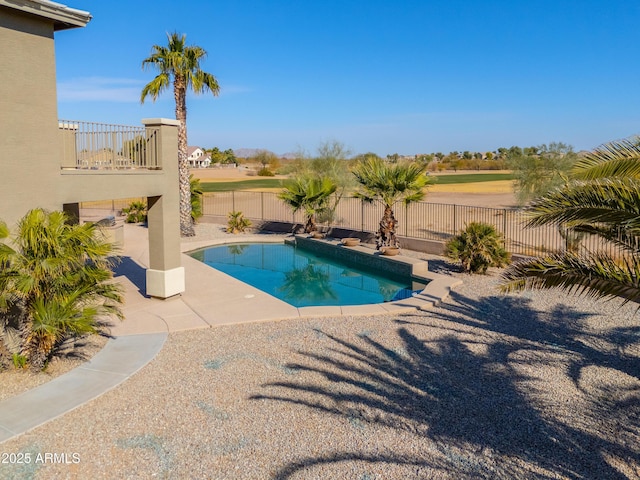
(446, 393)
(562, 328)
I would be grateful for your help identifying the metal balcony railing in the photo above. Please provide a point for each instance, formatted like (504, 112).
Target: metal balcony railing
(100, 146)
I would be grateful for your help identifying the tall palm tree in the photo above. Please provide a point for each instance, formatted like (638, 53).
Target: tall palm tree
(55, 282)
(180, 64)
(602, 200)
(310, 193)
(388, 184)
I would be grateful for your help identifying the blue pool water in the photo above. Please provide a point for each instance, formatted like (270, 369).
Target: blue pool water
(301, 278)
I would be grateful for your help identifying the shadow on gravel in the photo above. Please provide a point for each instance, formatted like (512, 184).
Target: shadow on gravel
(464, 403)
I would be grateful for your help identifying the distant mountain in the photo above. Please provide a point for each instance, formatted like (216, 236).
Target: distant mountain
(246, 152)
(251, 152)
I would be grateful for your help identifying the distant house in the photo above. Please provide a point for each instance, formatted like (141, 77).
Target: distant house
(198, 158)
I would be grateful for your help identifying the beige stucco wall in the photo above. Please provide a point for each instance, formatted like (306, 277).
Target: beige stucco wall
(28, 119)
(32, 146)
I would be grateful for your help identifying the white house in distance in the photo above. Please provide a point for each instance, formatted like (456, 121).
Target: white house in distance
(198, 158)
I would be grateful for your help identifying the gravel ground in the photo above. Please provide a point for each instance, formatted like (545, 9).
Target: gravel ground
(75, 353)
(536, 385)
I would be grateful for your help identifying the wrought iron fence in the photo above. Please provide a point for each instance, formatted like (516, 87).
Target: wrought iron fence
(420, 220)
(97, 146)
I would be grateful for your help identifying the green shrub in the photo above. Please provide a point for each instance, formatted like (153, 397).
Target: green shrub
(478, 247)
(237, 223)
(136, 212)
(19, 361)
(265, 172)
(55, 283)
(196, 198)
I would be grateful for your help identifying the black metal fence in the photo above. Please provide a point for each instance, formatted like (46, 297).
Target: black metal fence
(421, 220)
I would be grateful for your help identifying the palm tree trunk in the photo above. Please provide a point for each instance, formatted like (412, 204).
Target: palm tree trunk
(386, 236)
(310, 227)
(180, 94)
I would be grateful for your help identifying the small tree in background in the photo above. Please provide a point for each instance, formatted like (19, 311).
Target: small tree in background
(539, 170)
(269, 162)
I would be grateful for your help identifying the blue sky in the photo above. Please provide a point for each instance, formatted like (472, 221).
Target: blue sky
(412, 76)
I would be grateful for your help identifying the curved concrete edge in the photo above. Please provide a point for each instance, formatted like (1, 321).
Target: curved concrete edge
(120, 358)
(188, 247)
(435, 292)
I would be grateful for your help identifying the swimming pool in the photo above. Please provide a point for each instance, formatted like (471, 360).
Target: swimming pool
(302, 278)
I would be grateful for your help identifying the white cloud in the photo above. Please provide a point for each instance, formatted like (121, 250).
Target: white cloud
(101, 89)
(118, 90)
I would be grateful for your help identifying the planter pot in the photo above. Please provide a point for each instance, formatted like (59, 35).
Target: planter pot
(390, 251)
(350, 242)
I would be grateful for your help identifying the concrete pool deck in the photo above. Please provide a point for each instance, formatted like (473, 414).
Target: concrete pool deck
(212, 298)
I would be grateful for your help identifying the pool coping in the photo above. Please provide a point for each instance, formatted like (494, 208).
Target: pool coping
(436, 290)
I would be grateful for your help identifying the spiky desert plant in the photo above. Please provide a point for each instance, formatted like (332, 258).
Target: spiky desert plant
(237, 223)
(388, 184)
(55, 282)
(478, 247)
(603, 200)
(136, 212)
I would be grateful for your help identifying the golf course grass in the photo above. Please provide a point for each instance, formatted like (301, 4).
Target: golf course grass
(270, 183)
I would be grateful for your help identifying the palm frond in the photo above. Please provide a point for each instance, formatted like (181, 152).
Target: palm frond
(614, 159)
(610, 201)
(596, 275)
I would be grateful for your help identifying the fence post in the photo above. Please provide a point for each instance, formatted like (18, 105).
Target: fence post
(455, 223)
(262, 206)
(406, 218)
(233, 201)
(362, 215)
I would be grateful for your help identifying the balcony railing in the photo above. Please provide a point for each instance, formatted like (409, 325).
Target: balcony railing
(100, 146)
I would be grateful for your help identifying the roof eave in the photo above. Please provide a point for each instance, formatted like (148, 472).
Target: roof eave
(62, 16)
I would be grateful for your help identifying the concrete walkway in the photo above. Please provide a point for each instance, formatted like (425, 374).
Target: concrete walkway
(212, 298)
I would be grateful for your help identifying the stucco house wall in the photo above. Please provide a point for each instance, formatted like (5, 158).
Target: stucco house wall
(31, 145)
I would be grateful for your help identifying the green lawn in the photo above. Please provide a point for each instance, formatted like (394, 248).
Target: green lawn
(277, 183)
(241, 185)
(472, 178)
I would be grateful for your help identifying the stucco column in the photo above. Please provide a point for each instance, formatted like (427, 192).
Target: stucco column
(165, 275)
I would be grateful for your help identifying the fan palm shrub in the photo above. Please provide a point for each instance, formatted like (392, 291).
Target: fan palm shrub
(309, 193)
(388, 184)
(55, 283)
(603, 199)
(478, 247)
(136, 212)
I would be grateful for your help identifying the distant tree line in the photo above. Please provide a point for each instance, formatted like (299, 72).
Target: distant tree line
(219, 156)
